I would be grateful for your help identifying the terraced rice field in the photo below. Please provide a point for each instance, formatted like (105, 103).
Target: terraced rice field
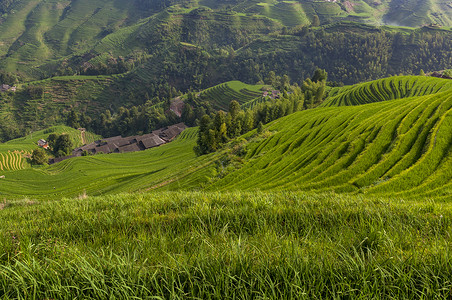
(13, 153)
(16, 160)
(221, 95)
(152, 169)
(387, 89)
(290, 13)
(396, 148)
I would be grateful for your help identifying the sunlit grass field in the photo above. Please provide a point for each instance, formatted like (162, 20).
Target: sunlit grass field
(198, 245)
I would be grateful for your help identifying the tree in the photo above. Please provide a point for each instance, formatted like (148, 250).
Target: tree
(35, 91)
(319, 75)
(73, 119)
(51, 140)
(63, 146)
(260, 128)
(271, 78)
(202, 144)
(38, 157)
(285, 83)
(188, 116)
(315, 21)
(234, 109)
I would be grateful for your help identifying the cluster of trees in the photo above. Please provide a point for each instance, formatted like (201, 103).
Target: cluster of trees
(4, 5)
(59, 146)
(126, 121)
(217, 129)
(7, 77)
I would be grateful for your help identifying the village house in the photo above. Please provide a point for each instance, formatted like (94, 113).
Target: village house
(7, 88)
(119, 144)
(43, 143)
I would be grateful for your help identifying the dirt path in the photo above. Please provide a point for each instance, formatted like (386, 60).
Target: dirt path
(82, 135)
(177, 105)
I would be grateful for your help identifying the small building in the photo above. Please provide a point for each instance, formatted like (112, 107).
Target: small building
(276, 94)
(129, 148)
(43, 143)
(151, 142)
(119, 144)
(7, 88)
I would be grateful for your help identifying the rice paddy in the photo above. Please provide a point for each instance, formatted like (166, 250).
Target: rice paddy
(16, 160)
(348, 201)
(15, 154)
(221, 95)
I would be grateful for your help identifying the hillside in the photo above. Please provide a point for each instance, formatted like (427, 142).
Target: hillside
(113, 173)
(94, 56)
(14, 153)
(349, 199)
(395, 147)
(41, 38)
(387, 89)
(221, 95)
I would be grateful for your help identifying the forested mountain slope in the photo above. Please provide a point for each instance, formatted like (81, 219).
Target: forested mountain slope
(65, 37)
(94, 57)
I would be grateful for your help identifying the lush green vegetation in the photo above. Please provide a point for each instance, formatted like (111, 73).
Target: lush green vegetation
(387, 89)
(174, 163)
(373, 220)
(111, 63)
(221, 95)
(395, 147)
(225, 245)
(348, 198)
(15, 154)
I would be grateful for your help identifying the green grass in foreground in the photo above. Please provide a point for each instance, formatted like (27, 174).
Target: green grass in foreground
(195, 245)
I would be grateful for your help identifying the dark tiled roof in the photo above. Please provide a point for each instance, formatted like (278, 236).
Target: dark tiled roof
(172, 131)
(103, 149)
(129, 148)
(118, 144)
(152, 141)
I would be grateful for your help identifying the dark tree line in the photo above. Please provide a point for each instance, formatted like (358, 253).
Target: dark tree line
(217, 129)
